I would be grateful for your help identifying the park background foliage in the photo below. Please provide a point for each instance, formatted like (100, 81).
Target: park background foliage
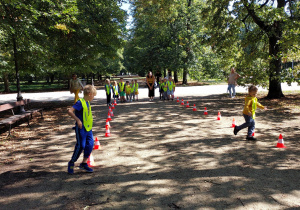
(197, 39)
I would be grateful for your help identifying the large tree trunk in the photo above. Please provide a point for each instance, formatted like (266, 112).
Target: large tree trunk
(175, 77)
(275, 90)
(6, 82)
(184, 79)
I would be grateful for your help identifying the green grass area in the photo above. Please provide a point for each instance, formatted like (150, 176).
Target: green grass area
(36, 86)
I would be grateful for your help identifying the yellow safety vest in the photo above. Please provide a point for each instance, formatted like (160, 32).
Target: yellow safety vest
(132, 87)
(165, 86)
(170, 84)
(87, 115)
(115, 90)
(136, 87)
(107, 89)
(121, 85)
(254, 107)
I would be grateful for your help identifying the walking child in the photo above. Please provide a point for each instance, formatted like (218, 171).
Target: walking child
(128, 91)
(136, 90)
(107, 88)
(81, 112)
(251, 104)
(115, 90)
(122, 90)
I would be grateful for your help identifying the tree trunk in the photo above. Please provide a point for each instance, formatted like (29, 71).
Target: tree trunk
(6, 82)
(51, 78)
(275, 90)
(19, 94)
(184, 79)
(175, 77)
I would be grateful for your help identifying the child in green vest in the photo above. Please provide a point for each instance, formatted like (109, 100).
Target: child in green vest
(171, 88)
(122, 90)
(128, 91)
(81, 112)
(165, 89)
(249, 113)
(132, 95)
(107, 89)
(136, 90)
(115, 90)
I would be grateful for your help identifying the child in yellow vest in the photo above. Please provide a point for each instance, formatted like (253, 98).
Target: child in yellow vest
(136, 90)
(115, 90)
(249, 113)
(107, 89)
(132, 95)
(122, 87)
(171, 88)
(165, 89)
(81, 112)
(128, 91)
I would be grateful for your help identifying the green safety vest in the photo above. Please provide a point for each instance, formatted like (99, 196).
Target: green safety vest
(107, 89)
(136, 87)
(132, 87)
(254, 107)
(115, 90)
(87, 115)
(165, 86)
(170, 84)
(121, 85)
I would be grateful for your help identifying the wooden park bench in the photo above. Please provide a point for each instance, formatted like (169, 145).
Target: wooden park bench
(16, 117)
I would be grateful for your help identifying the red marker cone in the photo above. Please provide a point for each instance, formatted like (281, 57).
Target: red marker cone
(194, 108)
(90, 161)
(253, 133)
(187, 104)
(182, 103)
(112, 106)
(177, 99)
(219, 116)
(96, 144)
(107, 132)
(111, 113)
(205, 111)
(233, 123)
(115, 102)
(280, 143)
(107, 125)
(108, 116)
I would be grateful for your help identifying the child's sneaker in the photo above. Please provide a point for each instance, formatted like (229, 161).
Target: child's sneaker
(70, 168)
(84, 166)
(235, 130)
(251, 138)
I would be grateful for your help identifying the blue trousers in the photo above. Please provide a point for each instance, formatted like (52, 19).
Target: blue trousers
(230, 86)
(250, 123)
(84, 142)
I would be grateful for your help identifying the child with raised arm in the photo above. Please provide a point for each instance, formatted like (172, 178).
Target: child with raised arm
(81, 112)
(136, 90)
(251, 104)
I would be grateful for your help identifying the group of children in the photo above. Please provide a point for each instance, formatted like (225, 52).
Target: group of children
(166, 88)
(81, 113)
(121, 89)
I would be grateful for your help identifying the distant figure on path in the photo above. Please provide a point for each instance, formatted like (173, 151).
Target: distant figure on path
(233, 76)
(150, 80)
(75, 87)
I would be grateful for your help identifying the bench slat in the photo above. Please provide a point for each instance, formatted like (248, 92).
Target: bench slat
(14, 118)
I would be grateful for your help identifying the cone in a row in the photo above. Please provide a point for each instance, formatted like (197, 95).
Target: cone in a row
(187, 104)
(112, 106)
(182, 103)
(177, 99)
(107, 132)
(233, 123)
(194, 108)
(280, 143)
(90, 161)
(115, 102)
(111, 113)
(219, 116)
(96, 144)
(107, 125)
(108, 117)
(205, 111)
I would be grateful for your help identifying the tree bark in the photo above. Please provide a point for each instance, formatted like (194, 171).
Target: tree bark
(175, 77)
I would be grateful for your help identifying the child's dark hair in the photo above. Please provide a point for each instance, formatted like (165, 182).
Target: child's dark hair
(127, 81)
(252, 88)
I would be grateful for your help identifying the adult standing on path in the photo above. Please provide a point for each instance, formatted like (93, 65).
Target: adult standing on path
(150, 80)
(75, 87)
(233, 76)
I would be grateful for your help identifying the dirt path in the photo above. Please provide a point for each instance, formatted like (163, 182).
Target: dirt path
(160, 155)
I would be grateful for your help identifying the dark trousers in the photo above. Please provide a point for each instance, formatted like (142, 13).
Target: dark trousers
(108, 97)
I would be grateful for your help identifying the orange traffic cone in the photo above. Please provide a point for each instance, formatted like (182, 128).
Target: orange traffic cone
(187, 104)
(219, 116)
(115, 102)
(107, 132)
(112, 113)
(233, 123)
(96, 144)
(205, 111)
(253, 133)
(194, 108)
(177, 99)
(112, 106)
(108, 116)
(280, 143)
(107, 125)
(182, 103)
(90, 161)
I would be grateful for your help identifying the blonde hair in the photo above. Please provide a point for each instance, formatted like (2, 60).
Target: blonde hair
(107, 81)
(115, 83)
(89, 89)
(252, 88)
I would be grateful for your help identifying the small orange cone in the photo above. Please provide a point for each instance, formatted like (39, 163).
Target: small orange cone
(219, 116)
(111, 113)
(112, 106)
(187, 104)
(182, 103)
(96, 144)
(115, 102)
(205, 111)
(233, 123)
(108, 117)
(194, 108)
(280, 143)
(177, 99)
(107, 132)
(107, 125)
(90, 161)
(253, 133)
